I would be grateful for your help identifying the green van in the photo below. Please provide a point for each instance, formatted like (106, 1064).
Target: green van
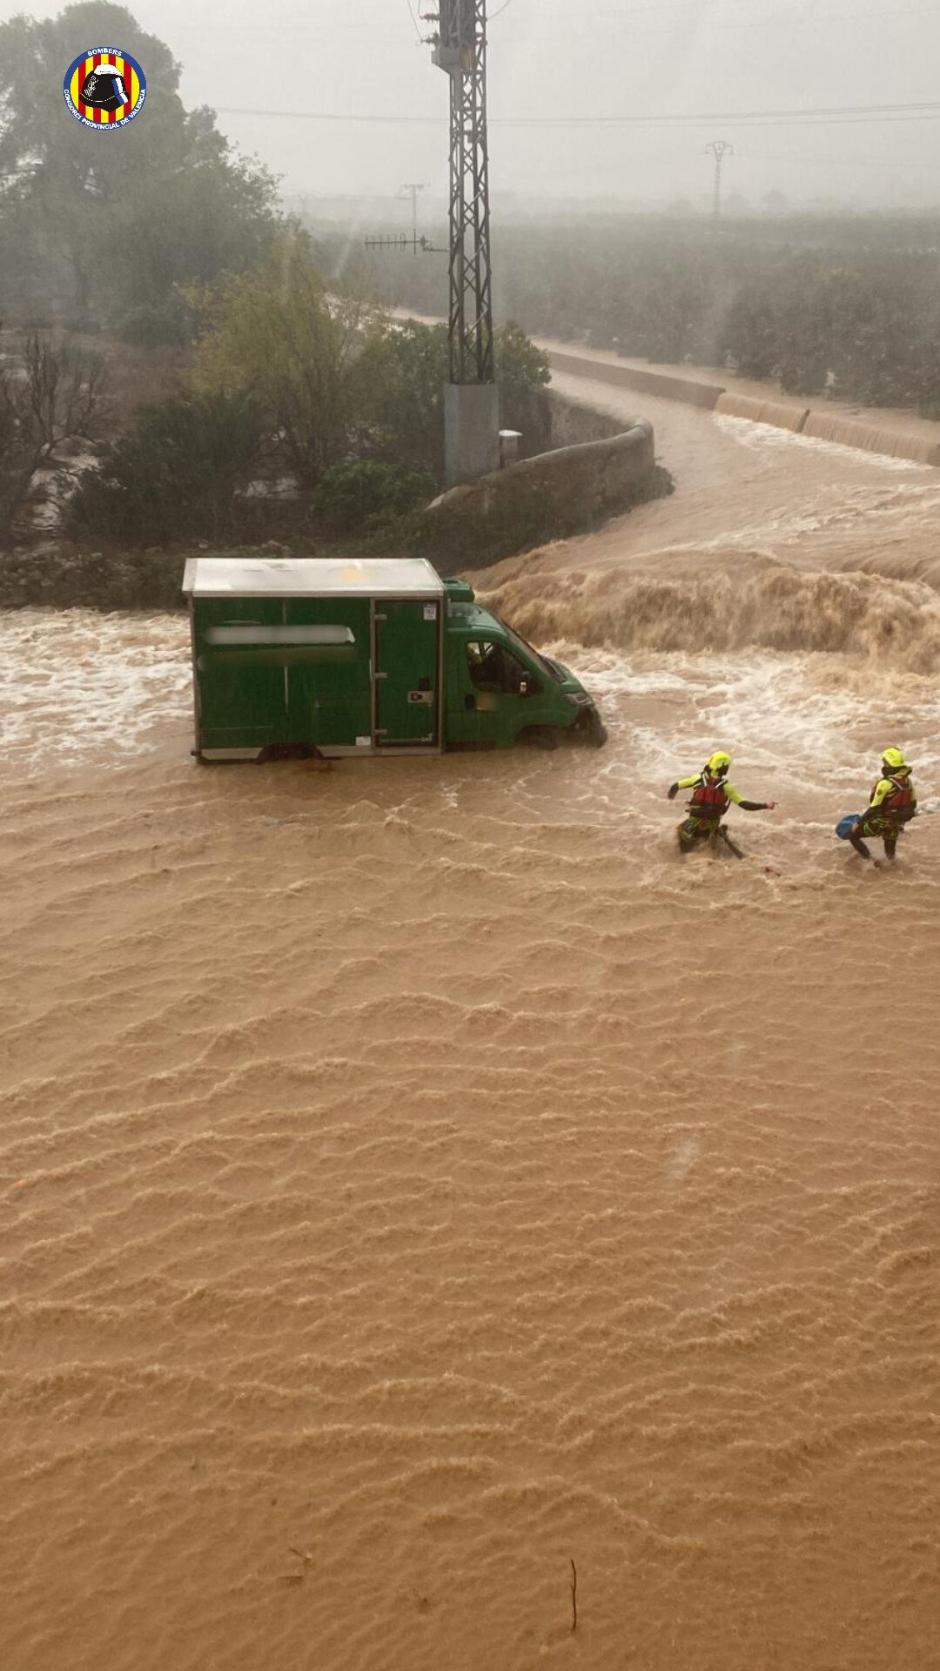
(295, 655)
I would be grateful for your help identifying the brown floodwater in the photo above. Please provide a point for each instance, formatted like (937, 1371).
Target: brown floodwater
(414, 1179)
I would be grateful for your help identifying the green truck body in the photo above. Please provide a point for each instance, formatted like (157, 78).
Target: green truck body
(377, 657)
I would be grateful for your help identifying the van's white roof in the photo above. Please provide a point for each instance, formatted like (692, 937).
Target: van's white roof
(306, 577)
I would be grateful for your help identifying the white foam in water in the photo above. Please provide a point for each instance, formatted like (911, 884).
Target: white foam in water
(761, 436)
(799, 732)
(77, 686)
(80, 688)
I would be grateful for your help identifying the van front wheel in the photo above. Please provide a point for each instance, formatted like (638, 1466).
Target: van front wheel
(591, 728)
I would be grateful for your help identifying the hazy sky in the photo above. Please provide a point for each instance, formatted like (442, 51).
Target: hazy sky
(579, 58)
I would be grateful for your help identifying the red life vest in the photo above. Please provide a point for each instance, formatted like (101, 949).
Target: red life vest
(709, 800)
(899, 805)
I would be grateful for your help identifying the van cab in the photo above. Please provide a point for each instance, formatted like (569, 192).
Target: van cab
(500, 690)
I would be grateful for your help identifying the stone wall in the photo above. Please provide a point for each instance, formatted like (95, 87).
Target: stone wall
(549, 497)
(775, 412)
(873, 438)
(665, 385)
(822, 424)
(573, 422)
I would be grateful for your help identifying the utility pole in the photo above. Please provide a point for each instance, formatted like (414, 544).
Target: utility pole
(411, 189)
(471, 403)
(719, 149)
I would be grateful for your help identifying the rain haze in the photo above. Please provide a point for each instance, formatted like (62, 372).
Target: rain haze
(583, 60)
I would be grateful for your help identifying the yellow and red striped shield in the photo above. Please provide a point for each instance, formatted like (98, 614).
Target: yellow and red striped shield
(123, 65)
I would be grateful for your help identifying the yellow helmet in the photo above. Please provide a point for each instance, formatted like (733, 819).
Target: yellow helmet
(894, 758)
(719, 762)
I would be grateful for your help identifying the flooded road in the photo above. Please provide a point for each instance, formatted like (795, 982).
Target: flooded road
(414, 1178)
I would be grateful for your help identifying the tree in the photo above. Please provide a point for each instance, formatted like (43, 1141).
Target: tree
(279, 337)
(774, 203)
(750, 334)
(96, 227)
(176, 475)
(334, 379)
(54, 396)
(520, 365)
(401, 378)
(523, 373)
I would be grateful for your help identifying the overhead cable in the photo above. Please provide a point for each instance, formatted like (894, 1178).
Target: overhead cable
(925, 110)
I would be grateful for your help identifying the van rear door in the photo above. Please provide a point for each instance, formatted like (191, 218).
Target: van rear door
(406, 664)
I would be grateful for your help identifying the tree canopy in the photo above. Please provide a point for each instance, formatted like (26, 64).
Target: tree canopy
(279, 336)
(335, 378)
(847, 304)
(104, 229)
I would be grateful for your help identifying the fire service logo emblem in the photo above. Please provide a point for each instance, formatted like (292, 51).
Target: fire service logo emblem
(105, 88)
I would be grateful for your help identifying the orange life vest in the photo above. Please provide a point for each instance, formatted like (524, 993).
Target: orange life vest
(709, 800)
(898, 807)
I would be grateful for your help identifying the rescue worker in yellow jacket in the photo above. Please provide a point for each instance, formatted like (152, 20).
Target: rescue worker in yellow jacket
(711, 797)
(892, 804)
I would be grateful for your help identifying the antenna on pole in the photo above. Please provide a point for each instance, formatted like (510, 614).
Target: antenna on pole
(401, 241)
(719, 149)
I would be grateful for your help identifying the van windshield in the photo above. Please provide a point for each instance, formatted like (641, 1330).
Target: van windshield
(550, 668)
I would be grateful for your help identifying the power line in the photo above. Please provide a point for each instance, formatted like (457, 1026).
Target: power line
(922, 111)
(415, 22)
(871, 112)
(332, 116)
(750, 119)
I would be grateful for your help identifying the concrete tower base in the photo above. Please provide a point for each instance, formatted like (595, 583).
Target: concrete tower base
(471, 431)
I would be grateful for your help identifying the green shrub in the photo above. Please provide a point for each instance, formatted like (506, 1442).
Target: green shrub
(364, 492)
(61, 578)
(167, 323)
(176, 475)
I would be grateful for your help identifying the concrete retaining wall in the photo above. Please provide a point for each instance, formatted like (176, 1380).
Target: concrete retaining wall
(665, 385)
(848, 432)
(773, 412)
(573, 422)
(545, 498)
(821, 425)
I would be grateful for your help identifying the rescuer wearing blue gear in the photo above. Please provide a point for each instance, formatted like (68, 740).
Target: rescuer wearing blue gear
(891, 805)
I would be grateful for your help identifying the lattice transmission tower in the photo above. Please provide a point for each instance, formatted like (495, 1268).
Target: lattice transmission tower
(460, 50)
(471, 398)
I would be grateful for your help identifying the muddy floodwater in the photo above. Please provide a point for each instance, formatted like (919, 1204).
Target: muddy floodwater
(433, 1215)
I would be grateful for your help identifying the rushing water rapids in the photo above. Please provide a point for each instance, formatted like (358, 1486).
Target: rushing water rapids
(415, 1179)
